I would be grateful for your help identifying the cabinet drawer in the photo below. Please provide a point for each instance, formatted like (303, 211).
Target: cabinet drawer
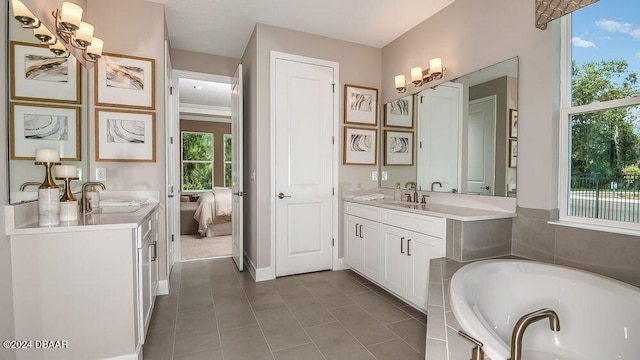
(424, 224)
(146, 227)
(363, 211)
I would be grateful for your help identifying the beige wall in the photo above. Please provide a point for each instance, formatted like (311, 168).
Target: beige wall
(359, 65)
(124, 33)
(218, 129)
(7, 328)
(203, 63)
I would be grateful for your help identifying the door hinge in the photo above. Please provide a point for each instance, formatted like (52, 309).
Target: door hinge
(421, 97)
(333, 242)
(333, 139)
(333, 191)
(333, 87)
(420, 144)
(170, 90)
(172, 237)
(170, 139)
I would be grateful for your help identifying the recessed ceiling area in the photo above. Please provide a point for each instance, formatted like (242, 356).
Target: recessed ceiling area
(200, 99)
(223, 27)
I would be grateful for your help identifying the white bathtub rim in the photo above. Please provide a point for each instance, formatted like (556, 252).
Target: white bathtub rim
(494, 347)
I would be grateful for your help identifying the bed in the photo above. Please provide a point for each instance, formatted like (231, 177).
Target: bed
(213, 212)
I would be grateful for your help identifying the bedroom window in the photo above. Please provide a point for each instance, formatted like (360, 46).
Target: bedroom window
(227, 160)
(600, 118)
(197, 161)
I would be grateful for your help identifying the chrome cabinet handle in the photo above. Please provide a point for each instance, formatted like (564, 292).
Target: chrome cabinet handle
(409, 247)
(361, 232)
(282, 196)
(402, 245)
(357, 231)
(155, 250)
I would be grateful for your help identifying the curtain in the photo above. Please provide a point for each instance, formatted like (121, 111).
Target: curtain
(547, 10)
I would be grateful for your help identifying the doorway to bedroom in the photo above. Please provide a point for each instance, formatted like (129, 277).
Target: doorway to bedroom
(205, 167)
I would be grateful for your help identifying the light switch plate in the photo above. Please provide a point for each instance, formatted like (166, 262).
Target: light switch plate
(374, 175)
(79, 174)
(101, 174)
(384, 176)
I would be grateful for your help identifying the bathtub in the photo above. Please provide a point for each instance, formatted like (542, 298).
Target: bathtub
(599, 316)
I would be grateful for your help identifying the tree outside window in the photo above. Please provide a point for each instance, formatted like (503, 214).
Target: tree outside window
(228, 158)
(197, 161)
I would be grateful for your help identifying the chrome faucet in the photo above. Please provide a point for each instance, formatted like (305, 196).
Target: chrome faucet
(434, 183)
(526, 320)
(86, 205)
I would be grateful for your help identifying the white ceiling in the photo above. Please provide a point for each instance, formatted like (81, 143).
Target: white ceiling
(211, 94)
(223, 27)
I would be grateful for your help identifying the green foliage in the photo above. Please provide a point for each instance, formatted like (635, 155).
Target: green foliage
(603, 142)
(197, 146)
(197, 176)
(228, 157)
(197, 161)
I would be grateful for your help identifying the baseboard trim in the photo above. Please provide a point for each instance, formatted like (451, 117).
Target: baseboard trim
(258, 274)
(341, 265)
(137, 356)
(163, 287)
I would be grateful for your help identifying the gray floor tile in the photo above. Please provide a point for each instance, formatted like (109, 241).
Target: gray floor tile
(359, 278)
(335, 342)
(231, 316)
(310, 313)
(245, 343)
(326, 294)
(412, 331)
(363, 326)
(263, 296)
(302, 352)
(194, 299)
(385, 295)
(379, 308)
(196, 331)
(209, 354)
(416, 314)
(394, 350)
(281, 329)
(164, 312)
(159, 344)
(343, 282)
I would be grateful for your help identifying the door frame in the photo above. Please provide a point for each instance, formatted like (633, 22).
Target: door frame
(272, 136)
(494, 100)
(175, 124)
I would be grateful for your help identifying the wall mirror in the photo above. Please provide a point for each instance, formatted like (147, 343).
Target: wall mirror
(47, 109)
(460, 136)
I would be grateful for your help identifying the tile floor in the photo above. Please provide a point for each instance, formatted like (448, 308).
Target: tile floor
(215, 312)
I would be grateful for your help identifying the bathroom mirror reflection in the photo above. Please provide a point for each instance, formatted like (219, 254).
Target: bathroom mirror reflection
(463, 135)
(47, 110)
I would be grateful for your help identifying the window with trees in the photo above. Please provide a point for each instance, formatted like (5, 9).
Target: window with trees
(197, 161)
(600, 119)
(227, 160)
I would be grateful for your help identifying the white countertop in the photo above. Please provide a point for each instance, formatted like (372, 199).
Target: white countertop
(439, 210)
(92, 221)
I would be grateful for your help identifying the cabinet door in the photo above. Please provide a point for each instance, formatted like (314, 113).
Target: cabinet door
(393, 273)
(145, 272)
(352, 242)
(154, 270)
(420, 250)
(370, 231)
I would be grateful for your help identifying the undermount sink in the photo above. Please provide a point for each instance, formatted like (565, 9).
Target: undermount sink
(115, 210)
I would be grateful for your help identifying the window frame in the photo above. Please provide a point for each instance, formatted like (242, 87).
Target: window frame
(183, 161)
(564, 160)
(224, 158)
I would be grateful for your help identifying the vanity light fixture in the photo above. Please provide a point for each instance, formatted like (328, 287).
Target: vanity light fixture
(44, 35)
(72, 30)
(420, 77)
(24, 16)
(58, 49)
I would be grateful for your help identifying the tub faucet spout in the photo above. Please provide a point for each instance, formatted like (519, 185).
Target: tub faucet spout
(524, 322)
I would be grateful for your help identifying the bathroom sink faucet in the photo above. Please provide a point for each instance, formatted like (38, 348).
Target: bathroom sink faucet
(86, 207)
(526, 320)
(434, 183)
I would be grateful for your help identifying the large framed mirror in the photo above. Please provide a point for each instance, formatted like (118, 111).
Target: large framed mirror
(47, 110)
(462, 135)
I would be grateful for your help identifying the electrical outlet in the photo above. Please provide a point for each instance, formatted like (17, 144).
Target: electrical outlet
(374, 175)
(384, 176)
(101, 174)
(79, 174)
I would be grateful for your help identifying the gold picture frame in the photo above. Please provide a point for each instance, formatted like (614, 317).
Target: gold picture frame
(360, 105)
(125, 81)
(125, 135)
(398, 148)
(360, 146)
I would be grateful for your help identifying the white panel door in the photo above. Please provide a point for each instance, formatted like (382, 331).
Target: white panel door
(304, 120)
(482, 146)
(237, 188)
(438, 133)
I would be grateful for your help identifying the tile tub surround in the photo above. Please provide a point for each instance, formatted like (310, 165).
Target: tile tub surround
(475, 240)
(613, 255)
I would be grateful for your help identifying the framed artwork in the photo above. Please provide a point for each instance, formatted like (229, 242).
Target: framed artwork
(399, 113)
(513, 153)
(360, 146)
(37, 75)
(398, 147)
(513, 123)
(125, 81)
(360, 105)
(43, 126)
(123, 135)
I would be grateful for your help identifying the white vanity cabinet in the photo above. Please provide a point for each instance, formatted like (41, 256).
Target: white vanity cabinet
(393, 248)
(91, 284)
